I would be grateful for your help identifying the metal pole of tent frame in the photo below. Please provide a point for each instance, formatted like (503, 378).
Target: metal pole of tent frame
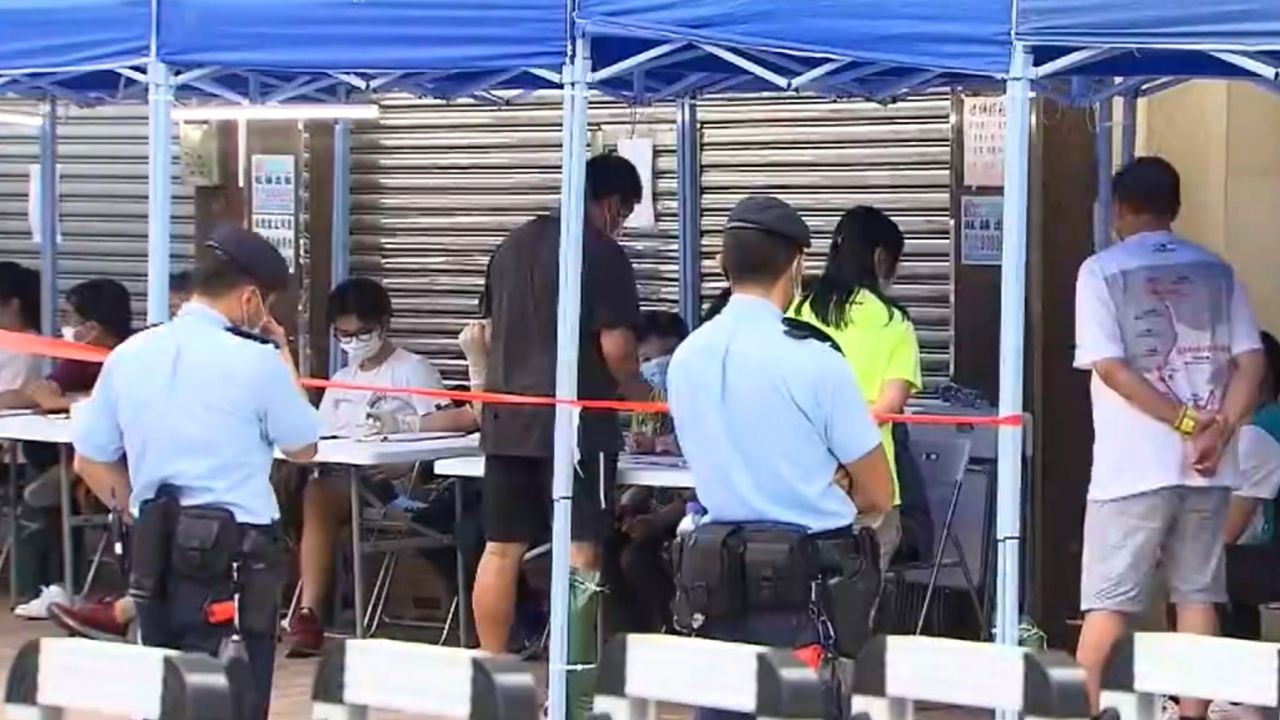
(49, 217)
(689, 203)
(159, 189)
(1129, 130)
(340, 263)
(568, 311)
(1102, 145)
(1013, 262)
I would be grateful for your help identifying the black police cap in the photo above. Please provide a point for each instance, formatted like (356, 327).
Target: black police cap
(774, 216)
(253, 255)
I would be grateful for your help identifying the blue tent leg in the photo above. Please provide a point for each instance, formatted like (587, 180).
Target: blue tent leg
(1102, 144)
(159, 189)
(1012, 329)
(49, 217)
(340, 252)
(572, 204)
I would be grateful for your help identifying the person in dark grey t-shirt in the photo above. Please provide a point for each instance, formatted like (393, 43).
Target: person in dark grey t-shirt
(520, 301)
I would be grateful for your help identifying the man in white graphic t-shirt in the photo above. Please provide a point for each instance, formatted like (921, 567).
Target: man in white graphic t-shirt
(1167, 331)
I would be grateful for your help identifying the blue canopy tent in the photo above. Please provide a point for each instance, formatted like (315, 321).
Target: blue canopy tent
(45, 44)
(637, 50)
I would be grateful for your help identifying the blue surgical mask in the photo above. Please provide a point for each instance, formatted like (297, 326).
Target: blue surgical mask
(655, 372)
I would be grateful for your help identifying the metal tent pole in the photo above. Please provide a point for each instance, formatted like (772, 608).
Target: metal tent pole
(568, 311)
(1102, 145)
(159, 189)
(1013, 263)
(340, 252)
(49, 217)
(689, 203)
(1129, 130)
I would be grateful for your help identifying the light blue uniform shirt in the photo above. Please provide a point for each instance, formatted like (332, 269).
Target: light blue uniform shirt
(763, 418)
(194, 406)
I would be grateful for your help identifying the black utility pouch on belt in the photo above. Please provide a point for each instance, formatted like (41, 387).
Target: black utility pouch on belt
(850, 589)
(778, 566)
(708, 570)
(206, 541)
(149, 547)
(261, 575)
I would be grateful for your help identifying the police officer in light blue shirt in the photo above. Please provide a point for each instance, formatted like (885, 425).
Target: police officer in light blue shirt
(776, 434)
(195, 408)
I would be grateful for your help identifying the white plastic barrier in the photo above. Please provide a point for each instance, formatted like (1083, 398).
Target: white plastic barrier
(894, 672)
(51, 675)
(1144, 667)
(637, 671)
(356, 676)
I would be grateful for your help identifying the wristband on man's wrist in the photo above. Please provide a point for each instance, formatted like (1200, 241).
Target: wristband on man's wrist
(1186, 423)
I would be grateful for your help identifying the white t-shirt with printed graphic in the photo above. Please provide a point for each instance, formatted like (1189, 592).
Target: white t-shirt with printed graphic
(1176, 314)
(343, 412)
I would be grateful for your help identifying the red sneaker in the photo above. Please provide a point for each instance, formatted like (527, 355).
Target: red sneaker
(306, 634)
(96, 621)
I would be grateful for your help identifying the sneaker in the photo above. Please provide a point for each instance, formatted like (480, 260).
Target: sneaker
(38, 609)
(306, 634)
(96, 621)
(1222, 710)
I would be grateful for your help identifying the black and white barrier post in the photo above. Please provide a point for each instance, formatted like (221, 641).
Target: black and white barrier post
(637, 671)
(1145, 667)
(894, 672)
(52, 675)
(356, 676)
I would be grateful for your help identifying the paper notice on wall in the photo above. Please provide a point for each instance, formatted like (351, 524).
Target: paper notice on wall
(35, 205)
(274, 189)
(981, 229)
(279, 231)
(640, 152)
(984, 142)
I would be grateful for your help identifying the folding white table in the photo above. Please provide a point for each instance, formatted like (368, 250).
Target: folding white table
(33, 426)
(387, 450)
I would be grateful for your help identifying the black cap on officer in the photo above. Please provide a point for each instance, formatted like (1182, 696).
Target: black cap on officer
(252, 255)
(769, 214)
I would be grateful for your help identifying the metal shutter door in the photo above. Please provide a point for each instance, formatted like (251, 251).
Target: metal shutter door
(435, 187)
(103, 155)
(824, 157)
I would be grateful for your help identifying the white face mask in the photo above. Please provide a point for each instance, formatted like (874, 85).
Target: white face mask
(655, 372)
(69, 333)
(360, 349)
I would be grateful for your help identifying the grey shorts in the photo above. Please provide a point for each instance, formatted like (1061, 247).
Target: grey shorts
(1181, 528)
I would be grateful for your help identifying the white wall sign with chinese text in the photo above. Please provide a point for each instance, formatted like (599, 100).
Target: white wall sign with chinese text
(984, 142)
(981, 229)
(274, 190)
(279, 231)
(639, 151)
(274, 202)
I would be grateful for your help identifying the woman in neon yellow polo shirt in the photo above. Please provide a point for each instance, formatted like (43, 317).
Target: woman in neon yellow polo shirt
(849, 302)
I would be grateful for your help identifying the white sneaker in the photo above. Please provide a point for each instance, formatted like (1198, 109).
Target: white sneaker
(1222, 710)
(38, 609)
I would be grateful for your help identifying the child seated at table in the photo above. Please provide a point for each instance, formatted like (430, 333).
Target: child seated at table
(360, 313)
(657, 336)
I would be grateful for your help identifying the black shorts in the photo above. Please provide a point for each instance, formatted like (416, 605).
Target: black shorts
(517, 498)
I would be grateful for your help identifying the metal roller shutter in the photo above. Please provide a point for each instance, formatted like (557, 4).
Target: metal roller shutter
(103, 155)
(825, 157)
(435, 187)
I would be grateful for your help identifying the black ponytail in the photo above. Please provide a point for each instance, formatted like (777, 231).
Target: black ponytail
(851, 265)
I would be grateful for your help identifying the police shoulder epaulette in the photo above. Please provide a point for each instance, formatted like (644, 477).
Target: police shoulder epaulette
(798, 329)
(241, 332)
